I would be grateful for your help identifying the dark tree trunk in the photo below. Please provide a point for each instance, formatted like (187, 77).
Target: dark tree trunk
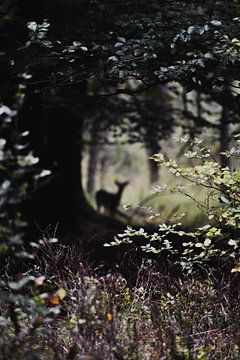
(31, 119)
(58, 199)
(103, 169)
(153, 168)
(224, 137)
(92, 161)
(224, 129)
(152, 147)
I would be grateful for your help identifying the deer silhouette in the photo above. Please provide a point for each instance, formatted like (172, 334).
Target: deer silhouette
(110, 201)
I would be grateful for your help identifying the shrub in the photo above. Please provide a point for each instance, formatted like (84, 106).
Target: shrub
(217, 241)
(23, 294)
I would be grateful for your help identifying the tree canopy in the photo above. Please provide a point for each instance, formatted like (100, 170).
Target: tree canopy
(155, 41)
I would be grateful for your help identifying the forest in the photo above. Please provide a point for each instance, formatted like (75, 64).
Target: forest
(119, 180)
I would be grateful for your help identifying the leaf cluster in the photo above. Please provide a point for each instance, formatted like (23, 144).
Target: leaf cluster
(216, 242)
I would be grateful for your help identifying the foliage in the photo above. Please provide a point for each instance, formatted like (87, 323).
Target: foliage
(216, 241)
(192, 42)
(17, 168)
(23, 293)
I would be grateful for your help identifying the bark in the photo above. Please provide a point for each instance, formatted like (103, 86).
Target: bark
(153, 171)
(152, 165)
(59, 199)
(103, 169)
(224, 137)
(224, 129)
(93, 161)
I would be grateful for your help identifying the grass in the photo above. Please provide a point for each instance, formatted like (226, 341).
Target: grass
(105, 316)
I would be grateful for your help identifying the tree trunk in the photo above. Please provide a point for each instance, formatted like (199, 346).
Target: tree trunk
(224, 137)
(92, 161)
(103, 170)
(153, 170)
(224, 129)
(58, 199)
(152, 166)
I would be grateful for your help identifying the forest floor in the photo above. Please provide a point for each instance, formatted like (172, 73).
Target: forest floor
(105, 315)
(116, 304)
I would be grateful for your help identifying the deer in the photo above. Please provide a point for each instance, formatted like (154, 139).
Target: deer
(110, 201)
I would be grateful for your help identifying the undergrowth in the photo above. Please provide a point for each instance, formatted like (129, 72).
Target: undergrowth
(103, 317)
